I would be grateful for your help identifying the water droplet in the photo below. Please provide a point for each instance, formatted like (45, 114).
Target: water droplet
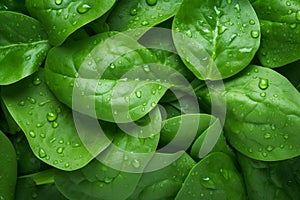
(135, 163)
(270, 148)
(34, 195)
(61, 141)
(83, 8)
(288, 3)
(58, 2)
(251, 22)
(222, 29)
(250, 150)
(293, 26)
(146, 68)
(229, 2)
(286, 136)
(31, 100)
(189, 33)
(32, 134)
(138, 94)
(36, 81)
(108, 180)
(59, 150)
(51, 116)
(267, 135)
(42, 135)
(237, 7)
(263, 94)
(263, 83)
(224, 173)
(151, 2)
(67, 165)
(208, 183)
(55, 124)
(264, 154)
(153, 104)
(255, 34)
(27, 57)
(133, 12)
(298, 15)
(42, 153)
(145, 23)
(21, 103)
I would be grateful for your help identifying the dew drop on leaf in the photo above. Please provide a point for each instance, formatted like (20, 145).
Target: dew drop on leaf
(138, 94)
(51, 116)
(58, 2)
(298, 15)
(42, 153)
(21, 103)
(55, 124)
(151, 2)
(208, 183)
(263, 83)
(135, 163)
(145, 23)
(133, 12)
(254, 34)
(37, 81)
(59, 150)
(83, 8)
(32, 134)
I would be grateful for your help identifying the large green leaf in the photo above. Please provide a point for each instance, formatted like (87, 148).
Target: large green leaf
(62, 17)
(216, 39)
(280, 37)
(49, 126)
(23, 46)
(109, 76)
(263, 116)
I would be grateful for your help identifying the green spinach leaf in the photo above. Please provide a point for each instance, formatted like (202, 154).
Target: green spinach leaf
(263, 116)
(63, 17)
(216, 39)
(49, 126)
(280, 28)
(23, 46)
(214, 177)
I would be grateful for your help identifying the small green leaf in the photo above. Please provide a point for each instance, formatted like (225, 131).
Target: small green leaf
(63, 17)
(49, 126)
(214, 177)
(23, 46)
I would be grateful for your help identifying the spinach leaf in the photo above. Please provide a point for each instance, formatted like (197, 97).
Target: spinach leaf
(271, 180)
(109, 76)
(263, 116)
(163, 183)
(118, 168)
(23, 46)
(137, 14)
(291, 72)
(8, 168)
(280, 28)
(214, 177)
(216, 39)
(63, 17)
(49, 126)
